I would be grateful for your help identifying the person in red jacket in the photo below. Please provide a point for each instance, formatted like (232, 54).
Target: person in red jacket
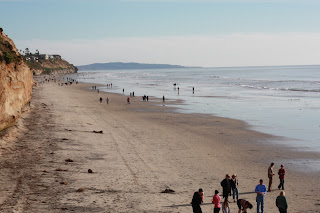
(281, 174)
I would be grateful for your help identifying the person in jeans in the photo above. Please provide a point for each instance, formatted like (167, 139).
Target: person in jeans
(234, 186)
(261, 191)
(281, 174)
(281, 202)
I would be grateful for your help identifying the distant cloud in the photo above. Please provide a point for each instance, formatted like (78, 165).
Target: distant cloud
(253, 49)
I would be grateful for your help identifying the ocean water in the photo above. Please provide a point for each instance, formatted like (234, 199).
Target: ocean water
(282, 100)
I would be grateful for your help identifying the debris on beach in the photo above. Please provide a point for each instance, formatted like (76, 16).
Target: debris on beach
(61, 170)
(90, 171)
(168, 190)
(63, 183)
(81, 190)
(69, 160)
(64, 139)
(100, 132)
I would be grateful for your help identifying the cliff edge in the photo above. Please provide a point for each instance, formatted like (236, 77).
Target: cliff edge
(16, 80)
(49, 64)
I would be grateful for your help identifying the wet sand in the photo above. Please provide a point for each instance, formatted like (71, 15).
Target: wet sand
(144, 148)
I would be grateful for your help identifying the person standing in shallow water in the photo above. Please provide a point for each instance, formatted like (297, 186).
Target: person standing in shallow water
(270, 176)
(196, 201)
(281, 174)
(163, 99)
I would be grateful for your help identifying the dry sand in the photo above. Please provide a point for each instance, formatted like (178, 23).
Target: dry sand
(144, 149)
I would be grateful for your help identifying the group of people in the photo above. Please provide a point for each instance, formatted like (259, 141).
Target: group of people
(231, 184)
(107, 99)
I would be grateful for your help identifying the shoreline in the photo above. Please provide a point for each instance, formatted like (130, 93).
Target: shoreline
(146, 148)
(299, 154)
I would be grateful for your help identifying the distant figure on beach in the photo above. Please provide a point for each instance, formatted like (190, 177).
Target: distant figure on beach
(133, 93)
(270, 176)
(100, 100)
(192, 90)
(107, 100)
(128, 100)
(226, 187)
(234, 186)
(97, 90)
(122, 90)
(281, 174)
(216, 201)
(147, 98)
(243, 205)
(261, 191)
(178, 90)
(196, 201)
(225, 207)
(163, 99)
(281, 202)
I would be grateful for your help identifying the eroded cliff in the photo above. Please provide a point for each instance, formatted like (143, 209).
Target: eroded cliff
(16, 81)
(51, 66)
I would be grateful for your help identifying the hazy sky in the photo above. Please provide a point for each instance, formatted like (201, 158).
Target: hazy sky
(185, 32)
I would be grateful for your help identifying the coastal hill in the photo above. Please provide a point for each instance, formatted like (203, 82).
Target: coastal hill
(126, 66)
(48, 64)
(16, 81)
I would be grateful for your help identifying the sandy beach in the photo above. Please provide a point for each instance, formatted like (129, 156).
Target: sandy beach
(143, 149)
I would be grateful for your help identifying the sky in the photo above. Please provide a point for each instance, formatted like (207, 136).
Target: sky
(208, 33)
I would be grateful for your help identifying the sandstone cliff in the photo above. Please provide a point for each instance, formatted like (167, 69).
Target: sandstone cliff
(51, 66)
(16, 81)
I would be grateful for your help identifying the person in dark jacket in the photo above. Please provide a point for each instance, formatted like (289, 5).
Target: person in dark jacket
(196, 201)
(226, 187)
(281, 202)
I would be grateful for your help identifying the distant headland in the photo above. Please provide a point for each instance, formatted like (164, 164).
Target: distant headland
(126, 66)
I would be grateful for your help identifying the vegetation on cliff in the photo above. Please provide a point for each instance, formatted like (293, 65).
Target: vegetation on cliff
(7, 52)
(16, 81)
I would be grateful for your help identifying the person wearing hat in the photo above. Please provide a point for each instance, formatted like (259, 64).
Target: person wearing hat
(234, 186)
(281, 174)
(196, 201)
(261, 191)
(216, 201)
(226, 187)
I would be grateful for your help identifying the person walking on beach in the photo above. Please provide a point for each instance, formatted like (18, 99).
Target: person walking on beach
(225, 207)
(196, 201)
(226, 187)
(261, 191)
(216, 201)
(192, 90)
(270, 176)
(163, 99)
(123, 90)
(107, 100)
(281, 202)
(234, 186)
(281, 174)
(128, 100)
(100, 100)
(243, 205)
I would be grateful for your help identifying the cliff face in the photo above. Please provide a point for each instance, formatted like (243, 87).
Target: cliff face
(51, 66)
(16, 81)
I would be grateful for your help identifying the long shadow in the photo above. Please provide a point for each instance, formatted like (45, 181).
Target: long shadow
(204, 204)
